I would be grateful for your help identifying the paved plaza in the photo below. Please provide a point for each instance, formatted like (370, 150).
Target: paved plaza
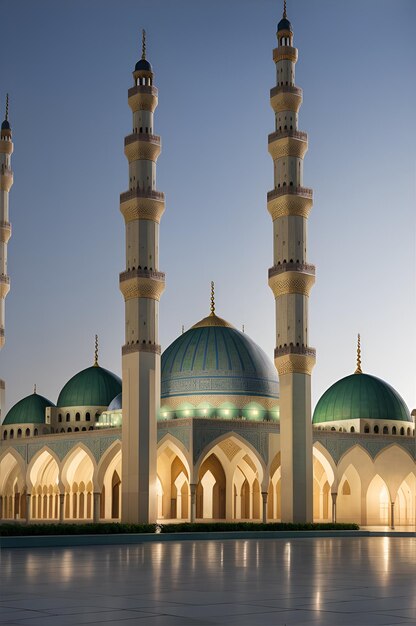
(328, 581)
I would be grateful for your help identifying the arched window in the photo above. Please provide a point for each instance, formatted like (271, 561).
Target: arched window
(69, 430)
(352, 429)
(408, 432)
(77, 417)
(376, 429)
(35, 432)
(333, 428)
(97, 415)
(366, 428)
(385, 430)
(27, 433)
(12, 433)
(5, 434)
(401, 431)
(68, 417)
(19, 432)
(87, 416)
(76, 430)
(83, 428)
(393, 430)
(60, 417)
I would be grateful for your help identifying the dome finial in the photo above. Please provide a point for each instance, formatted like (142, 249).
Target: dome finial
(96, 352)
(34, 388)
(212, 298)
(358, 370)
(143, 44)
(7, 107)
(284, 9)
(183, 329)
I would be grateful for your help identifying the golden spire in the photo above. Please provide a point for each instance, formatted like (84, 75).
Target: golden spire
(34, 388)
(284, 9)
(358, 370)
(96, 352)
(212, 298)
(7, 107)
(143, 44)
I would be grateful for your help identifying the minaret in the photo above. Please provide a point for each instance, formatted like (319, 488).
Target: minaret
(6, 181)
(141, 285)
(291, 279)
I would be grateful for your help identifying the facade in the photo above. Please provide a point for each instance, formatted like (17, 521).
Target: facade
(211, 428)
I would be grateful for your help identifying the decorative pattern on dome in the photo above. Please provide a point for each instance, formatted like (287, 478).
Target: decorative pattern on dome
(216, 359)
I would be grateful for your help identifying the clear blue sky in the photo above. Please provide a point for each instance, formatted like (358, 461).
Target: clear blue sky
(67, 66)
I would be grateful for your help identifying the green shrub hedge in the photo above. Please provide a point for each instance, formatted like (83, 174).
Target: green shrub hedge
(12, 529)
(110, 528)
(186, 527)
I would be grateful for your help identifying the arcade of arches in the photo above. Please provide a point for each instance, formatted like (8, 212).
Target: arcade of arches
(229, 481)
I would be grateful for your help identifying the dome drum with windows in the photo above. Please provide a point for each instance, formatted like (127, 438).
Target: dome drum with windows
(364, 404)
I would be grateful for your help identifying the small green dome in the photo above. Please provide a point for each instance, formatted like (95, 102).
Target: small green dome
(30, 410)
(213, 358)
(360, 396)
(94, 386)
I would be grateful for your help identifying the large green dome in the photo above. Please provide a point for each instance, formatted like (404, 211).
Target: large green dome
(213, 358)
(29, 410)
(360, 396)
(94, 386)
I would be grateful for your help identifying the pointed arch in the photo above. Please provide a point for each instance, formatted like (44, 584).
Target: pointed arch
(172, 462)
(378, 500)
(36, 460)
(327, 462)
(11, 460)
(251, 450)
(393, 464)
(69, 461)
(108, 457)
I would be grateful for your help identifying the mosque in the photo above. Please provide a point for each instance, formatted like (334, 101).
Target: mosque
(211, 428)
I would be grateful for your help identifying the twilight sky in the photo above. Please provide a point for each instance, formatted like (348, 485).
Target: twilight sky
(67, 66)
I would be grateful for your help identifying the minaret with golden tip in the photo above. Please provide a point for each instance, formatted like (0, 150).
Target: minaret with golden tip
(141, 284)
(6, 181)
(291, 279)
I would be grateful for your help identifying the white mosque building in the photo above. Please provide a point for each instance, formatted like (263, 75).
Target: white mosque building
(211, 428)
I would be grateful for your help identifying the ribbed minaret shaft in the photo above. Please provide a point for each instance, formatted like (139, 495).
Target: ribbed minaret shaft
(291, 279)
(141, 285)
(6, 181)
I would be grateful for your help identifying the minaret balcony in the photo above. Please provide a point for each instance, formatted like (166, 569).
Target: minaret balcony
(292, 267)
(285, 98)
(5, 231)
(140, 283)
(6, 178)
(283, 143)
(291, 278)
(291, 359)
(142, 204)
(4, 285)
(289, 200)
(143, 98)
(285, 53)
(142, 146)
